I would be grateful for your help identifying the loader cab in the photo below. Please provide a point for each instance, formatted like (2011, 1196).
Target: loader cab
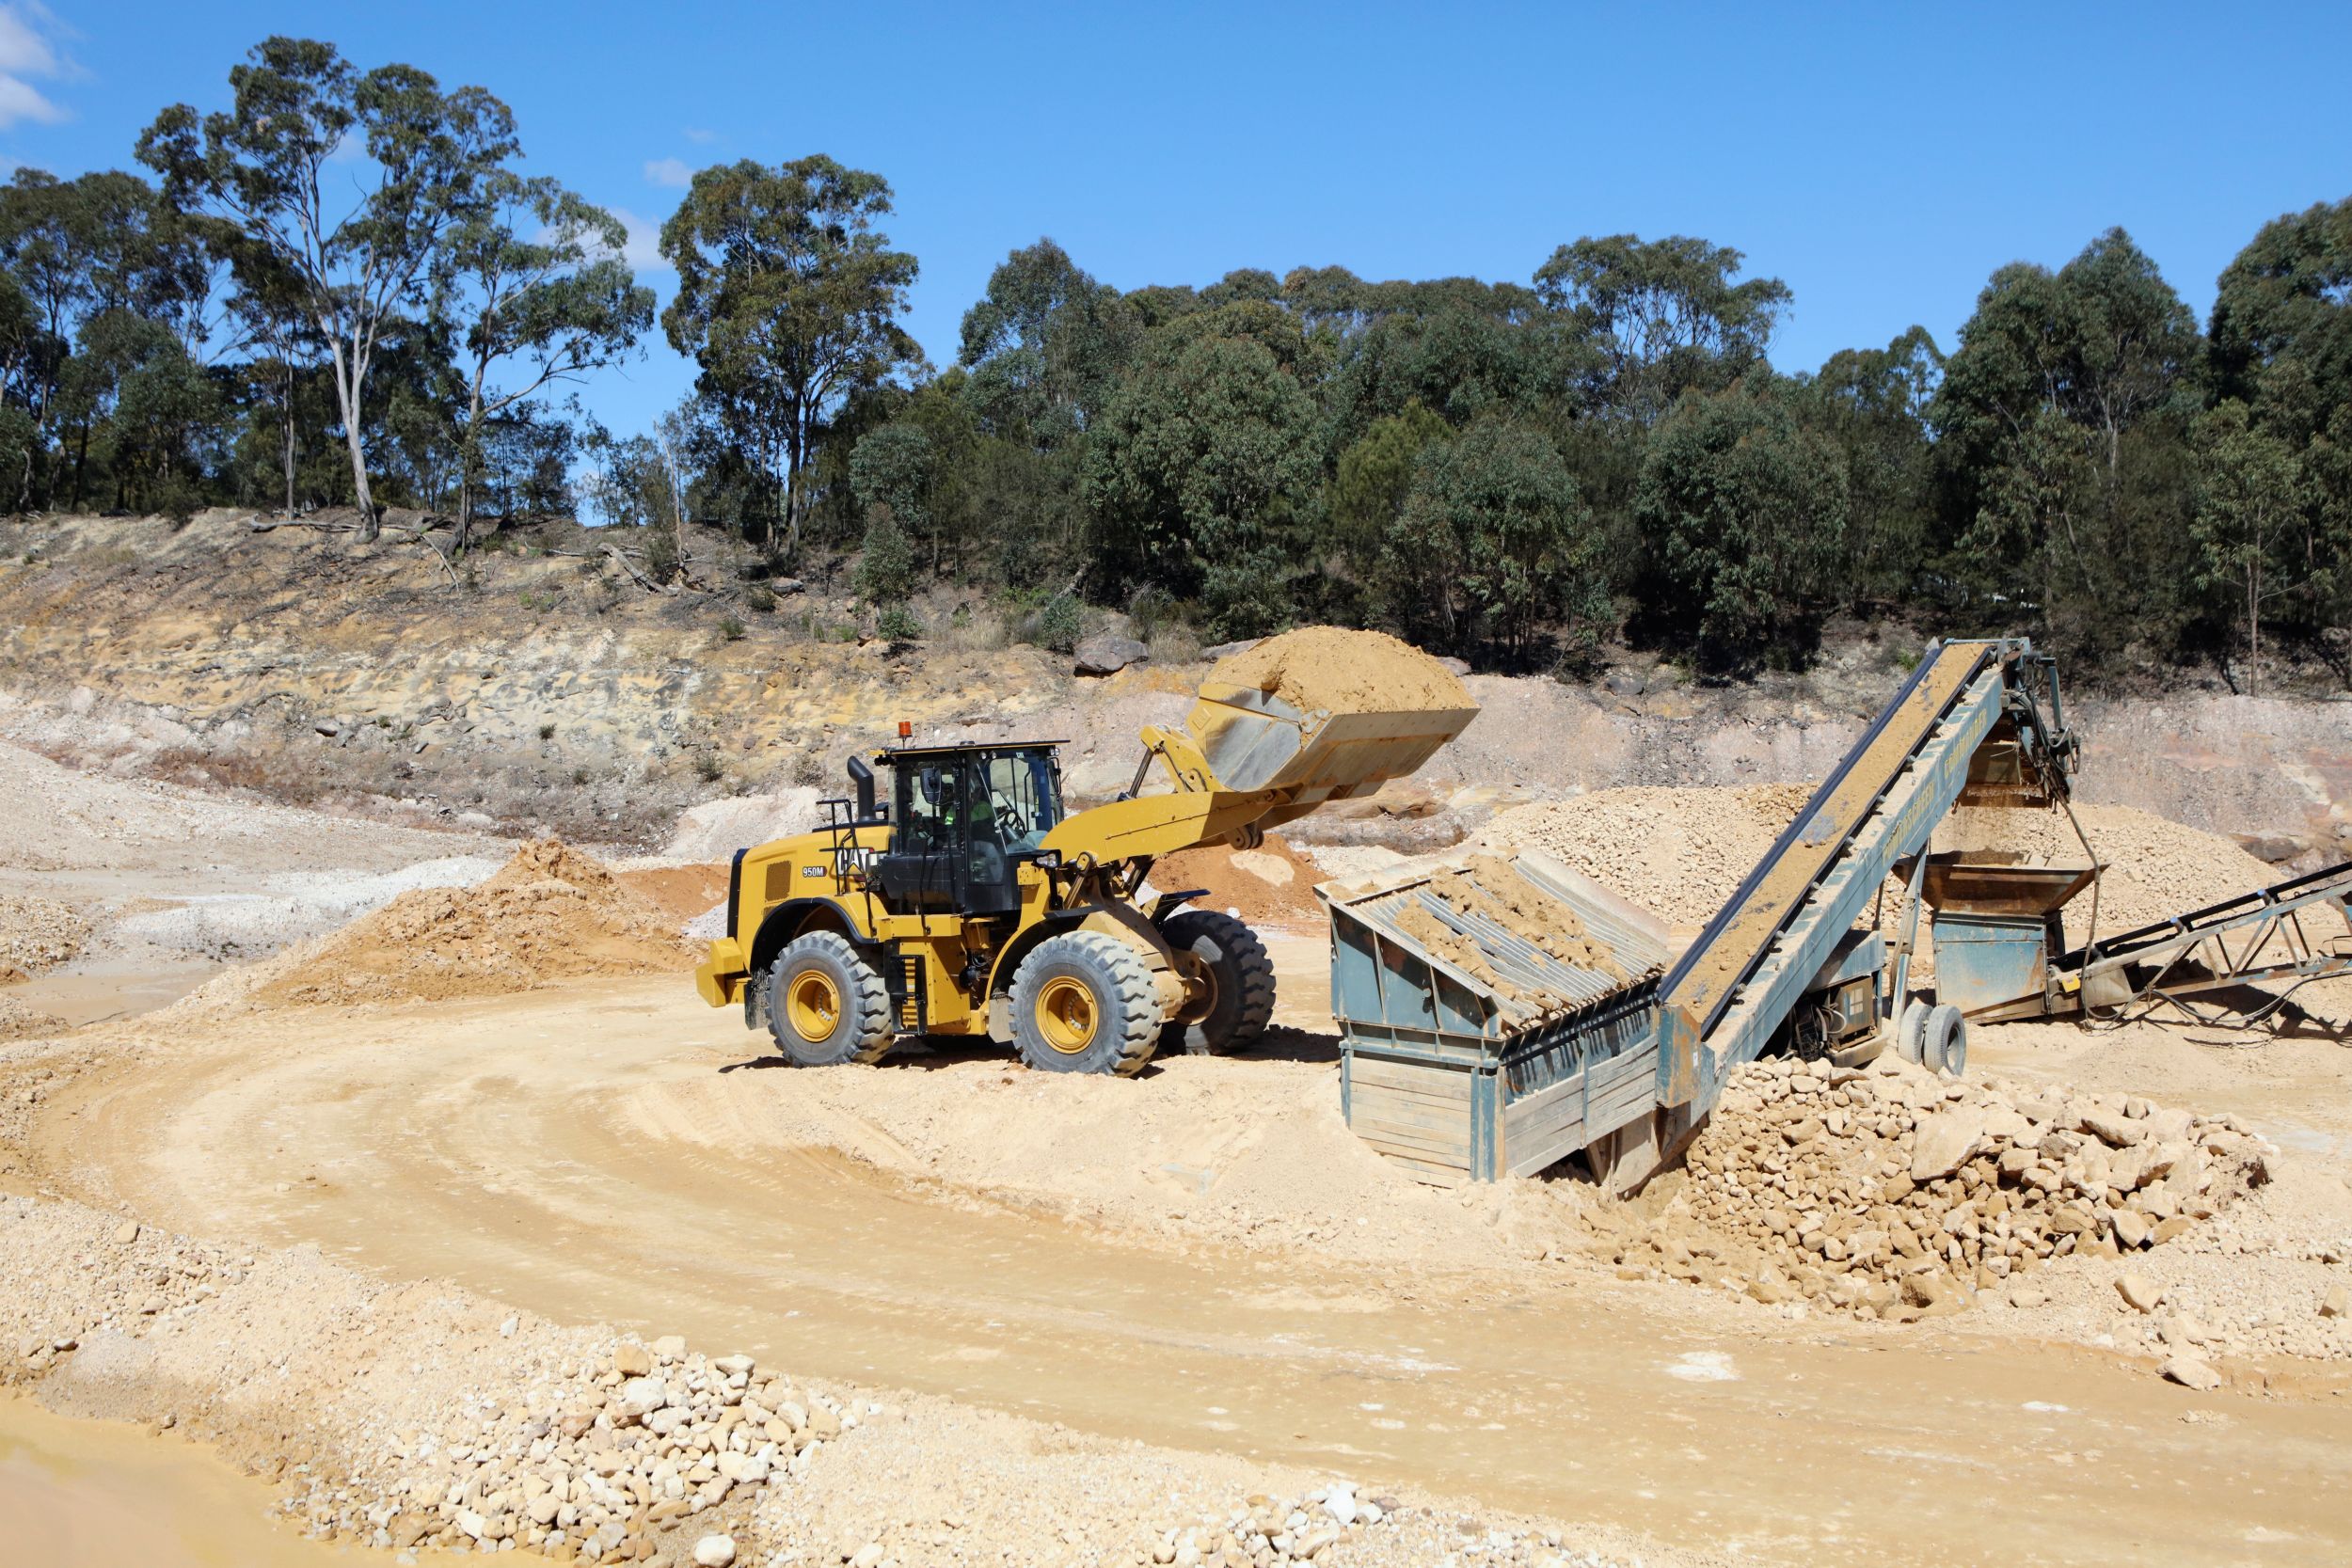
(962, 820)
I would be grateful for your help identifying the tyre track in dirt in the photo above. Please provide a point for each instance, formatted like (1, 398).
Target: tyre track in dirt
(519, 1145)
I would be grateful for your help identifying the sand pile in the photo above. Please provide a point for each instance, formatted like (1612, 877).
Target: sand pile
(550, 913)
(1676, 852)
(1270, 885)
(37, 934)
(1344, 672)
(1894, 1193)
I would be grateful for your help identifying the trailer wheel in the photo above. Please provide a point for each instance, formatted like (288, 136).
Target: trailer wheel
(827, 1006)
(1910, 1030)
(1943, 1040)
(1082, 1001)
(1233, 1015)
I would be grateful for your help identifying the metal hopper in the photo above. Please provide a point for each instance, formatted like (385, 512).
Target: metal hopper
(1475, 1042)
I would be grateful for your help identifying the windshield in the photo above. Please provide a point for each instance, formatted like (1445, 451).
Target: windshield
(1023, 791)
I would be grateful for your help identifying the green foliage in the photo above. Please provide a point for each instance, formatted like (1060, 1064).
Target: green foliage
(1045, 345)
(899, 624)
(1493, 544)
(1746, 512)
(257, 175)
(885, 567)
(1374, 476)
(891, 472)
(2255, 540)
(730, 629)
(343, 291)
(788, 299)
(1663, 316)
(2061, 429)
(1058, 624)
(1871, 405)
(1203, 473)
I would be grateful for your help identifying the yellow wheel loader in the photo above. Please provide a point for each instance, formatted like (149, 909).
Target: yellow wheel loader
(967, 903)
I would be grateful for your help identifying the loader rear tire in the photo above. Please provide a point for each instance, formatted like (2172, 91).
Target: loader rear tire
(1241, 979)
(827, 1006)
(1083, 1002)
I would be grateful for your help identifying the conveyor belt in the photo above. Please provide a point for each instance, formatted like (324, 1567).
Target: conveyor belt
(2258, 938)
(1741, 937)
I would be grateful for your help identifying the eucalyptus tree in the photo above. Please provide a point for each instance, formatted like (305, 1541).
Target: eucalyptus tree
(788, 299)
(352, 183)
(1045, 345)
(1665, 315)
(533, 290)
(2061, 429)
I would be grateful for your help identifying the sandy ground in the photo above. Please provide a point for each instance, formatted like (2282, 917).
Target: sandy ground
(612, 1151)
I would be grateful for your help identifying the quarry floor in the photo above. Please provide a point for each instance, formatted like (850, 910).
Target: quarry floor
(614, 1150)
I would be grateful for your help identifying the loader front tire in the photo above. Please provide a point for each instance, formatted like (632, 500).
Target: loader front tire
(1241, 984)
(1083, 1002)
(827, 1006)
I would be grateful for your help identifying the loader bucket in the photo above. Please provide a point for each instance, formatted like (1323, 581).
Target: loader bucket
(1254, 740)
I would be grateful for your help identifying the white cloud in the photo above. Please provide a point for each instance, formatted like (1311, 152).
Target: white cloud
(669, 171)
(25, 51)
(696, 135)
(643, 249)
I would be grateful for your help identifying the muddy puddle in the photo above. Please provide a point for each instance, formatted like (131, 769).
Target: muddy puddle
(103, 1494)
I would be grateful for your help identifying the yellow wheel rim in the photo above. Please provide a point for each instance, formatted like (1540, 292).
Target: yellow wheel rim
(813, 1005)
(1205, 1002)
(1066, 1015)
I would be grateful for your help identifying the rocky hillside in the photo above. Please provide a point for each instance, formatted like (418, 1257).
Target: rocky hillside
(541, 687)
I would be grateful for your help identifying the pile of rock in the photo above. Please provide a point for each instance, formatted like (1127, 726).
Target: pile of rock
(1890, 1191)
(648, 1435)
(37, 934)
(1267, 1531)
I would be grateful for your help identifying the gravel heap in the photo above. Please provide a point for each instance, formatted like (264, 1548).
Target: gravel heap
(1889, 1192)
(1345, 672)
(37, 934)
(1675, 852)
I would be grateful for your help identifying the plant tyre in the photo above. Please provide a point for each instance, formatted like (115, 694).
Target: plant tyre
(1945, 1037)
(1083, 1002)
(827, 1006)
(1241, 984)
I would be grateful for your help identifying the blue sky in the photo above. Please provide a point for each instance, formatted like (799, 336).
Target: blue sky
(1883, 160)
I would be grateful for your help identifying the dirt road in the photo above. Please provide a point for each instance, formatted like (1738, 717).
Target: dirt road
(532, 1148)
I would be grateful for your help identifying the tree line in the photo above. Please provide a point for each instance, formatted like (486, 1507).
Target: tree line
(342, 291)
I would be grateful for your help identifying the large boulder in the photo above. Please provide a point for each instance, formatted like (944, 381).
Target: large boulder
(1944, 1141)
(1108, 654)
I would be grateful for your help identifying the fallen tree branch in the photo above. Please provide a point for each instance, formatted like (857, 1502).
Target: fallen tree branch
(438, 554)
(642, 580)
